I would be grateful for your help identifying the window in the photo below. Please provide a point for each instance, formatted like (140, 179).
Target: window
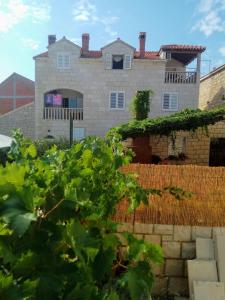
(117, 62)
(78, 133)
(63, 60)
(168, 55)
(117, 100)
(170, 101)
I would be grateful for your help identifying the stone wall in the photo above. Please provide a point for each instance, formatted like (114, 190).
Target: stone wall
(22, 118)
(197, 144)
(212, 89)
(178, 244)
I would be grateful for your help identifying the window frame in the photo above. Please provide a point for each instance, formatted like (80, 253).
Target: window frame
(170, 109)
(83, 135)
(123, 58)
(117, 93)
(64, 54)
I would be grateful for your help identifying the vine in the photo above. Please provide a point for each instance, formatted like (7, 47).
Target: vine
(140, 105)
(186, 120)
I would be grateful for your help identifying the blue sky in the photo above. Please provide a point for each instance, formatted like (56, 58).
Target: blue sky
(25, 24)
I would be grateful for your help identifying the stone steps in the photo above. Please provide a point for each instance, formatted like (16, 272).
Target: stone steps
(206, 273)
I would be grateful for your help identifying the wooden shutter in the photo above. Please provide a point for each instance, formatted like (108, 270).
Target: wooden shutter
(108, 61)
(120, 100)
(127, 62)
(113, 99)
(60, 61)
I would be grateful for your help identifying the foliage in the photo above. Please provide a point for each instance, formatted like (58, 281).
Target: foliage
(140, 105)
(43, 145)
(187, 119)
(57, 240)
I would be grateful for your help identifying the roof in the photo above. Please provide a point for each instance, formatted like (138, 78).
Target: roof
(183, 48)
(213, 72)
(13, 75)
(116, 41)
(183, 53)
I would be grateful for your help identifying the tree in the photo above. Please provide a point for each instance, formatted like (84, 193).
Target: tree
(57, 237)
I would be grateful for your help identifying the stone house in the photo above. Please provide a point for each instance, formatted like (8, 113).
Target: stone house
(15, 91)
(212, 88)
(95, 88)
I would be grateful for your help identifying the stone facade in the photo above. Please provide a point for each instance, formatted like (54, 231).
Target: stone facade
(197, 145)
(212, 88)
(89, 76)
(178, 245)
(22, 118)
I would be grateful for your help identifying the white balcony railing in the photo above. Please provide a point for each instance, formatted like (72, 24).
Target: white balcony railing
(180, 77)
(61, 113)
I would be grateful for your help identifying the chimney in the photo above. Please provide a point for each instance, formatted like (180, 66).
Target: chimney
(142, 38)
(85, 42)
(51, 39)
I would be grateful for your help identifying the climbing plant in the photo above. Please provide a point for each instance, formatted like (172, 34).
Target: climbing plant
(57, 238)
(187, 120)
(140, 105)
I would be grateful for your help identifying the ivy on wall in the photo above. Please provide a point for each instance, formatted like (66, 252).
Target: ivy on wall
(140, 106)
(186, 120)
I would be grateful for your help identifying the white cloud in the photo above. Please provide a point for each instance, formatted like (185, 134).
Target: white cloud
(30, 43)
(13, 12)
(222, 50)
(86, 11)
(212, 13)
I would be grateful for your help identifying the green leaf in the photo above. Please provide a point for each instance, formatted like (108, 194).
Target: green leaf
(31, 151)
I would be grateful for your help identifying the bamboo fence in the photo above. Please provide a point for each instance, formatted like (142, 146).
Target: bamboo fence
(206, 207)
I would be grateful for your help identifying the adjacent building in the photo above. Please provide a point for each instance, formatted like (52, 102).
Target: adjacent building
(212, 88)
(15, 91)
(95, 88)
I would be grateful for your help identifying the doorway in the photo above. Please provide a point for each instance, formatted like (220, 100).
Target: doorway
(217, 152)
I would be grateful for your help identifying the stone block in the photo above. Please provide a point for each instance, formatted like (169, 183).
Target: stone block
(139, 236)
(174, 267)
(208, 290)
(160, 286)
(201, 270)
(218, 231)
(153, 238)
(204, 249)
(188, 250)
(171, 249)
(220, 255)
(182, 233)
(125, 227)
(178, 286)
(143, 228)
(163, 229)
(167, 237)
(201, 231)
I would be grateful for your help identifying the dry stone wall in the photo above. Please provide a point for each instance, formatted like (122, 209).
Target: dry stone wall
(178, 245)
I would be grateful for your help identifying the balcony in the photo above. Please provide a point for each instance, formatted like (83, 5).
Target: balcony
(61, 113)
(180, 77)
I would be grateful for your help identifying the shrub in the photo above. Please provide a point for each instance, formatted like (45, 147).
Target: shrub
(57, 240)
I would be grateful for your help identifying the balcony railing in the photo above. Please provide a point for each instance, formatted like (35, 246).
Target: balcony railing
(61, 113)
(180, 77)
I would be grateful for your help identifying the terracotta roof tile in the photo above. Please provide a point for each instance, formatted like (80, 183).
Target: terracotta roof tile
(44, 54)
(148, 54)
(183, 47)
(92, 54)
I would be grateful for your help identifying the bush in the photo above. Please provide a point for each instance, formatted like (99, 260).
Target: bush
(57, 240)
(43, 145)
